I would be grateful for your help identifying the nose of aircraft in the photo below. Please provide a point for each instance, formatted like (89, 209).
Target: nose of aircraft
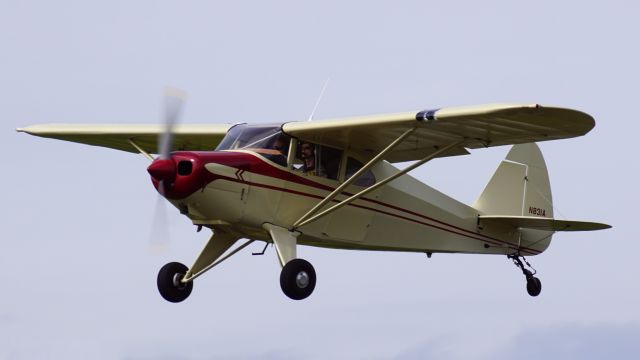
(180, 174)
(162, 169)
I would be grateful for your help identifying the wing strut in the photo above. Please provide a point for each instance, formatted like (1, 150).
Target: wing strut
(141, 150)
(353, 178)
(377, 185)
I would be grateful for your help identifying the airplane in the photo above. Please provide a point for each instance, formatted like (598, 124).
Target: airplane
(332, 184)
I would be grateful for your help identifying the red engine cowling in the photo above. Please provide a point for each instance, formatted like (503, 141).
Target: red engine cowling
(179, 176)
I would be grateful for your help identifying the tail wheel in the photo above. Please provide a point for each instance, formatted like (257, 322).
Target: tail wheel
(170, 285)
(534, 286)
(298, 279)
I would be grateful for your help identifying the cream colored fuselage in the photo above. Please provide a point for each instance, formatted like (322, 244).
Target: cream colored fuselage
(403, 215)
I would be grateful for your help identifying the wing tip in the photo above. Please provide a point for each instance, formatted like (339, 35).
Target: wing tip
(26, 130)
(31, 129)
(603, 226)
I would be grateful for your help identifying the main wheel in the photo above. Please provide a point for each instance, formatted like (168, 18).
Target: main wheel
(534, 286)
(298, 279)
(169, 284)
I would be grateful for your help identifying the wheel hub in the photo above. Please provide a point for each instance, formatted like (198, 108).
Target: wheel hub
(177, 281)
(302, 279)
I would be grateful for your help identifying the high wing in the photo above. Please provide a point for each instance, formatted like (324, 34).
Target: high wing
(186, 137)
(477, 126)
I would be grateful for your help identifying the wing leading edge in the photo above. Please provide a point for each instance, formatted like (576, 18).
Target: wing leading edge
(186, 137)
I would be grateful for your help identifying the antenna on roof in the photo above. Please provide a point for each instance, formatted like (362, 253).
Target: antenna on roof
(319, 98)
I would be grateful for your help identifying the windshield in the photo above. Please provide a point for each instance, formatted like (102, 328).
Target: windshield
(245, 136)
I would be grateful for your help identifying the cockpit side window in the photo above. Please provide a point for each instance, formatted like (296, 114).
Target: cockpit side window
(366, 179)
(317, 160)
(330, 161)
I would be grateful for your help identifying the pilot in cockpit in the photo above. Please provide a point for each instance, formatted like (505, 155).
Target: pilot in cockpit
(280, 149)
(308, 155)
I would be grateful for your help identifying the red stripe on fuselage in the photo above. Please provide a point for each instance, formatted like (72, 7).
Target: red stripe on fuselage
(271, 187)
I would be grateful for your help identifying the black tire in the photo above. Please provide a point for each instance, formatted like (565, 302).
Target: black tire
(168, 282)
(534, 286)
(298, 279)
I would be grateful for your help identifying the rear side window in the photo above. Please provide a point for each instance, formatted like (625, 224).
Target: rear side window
(366, 179)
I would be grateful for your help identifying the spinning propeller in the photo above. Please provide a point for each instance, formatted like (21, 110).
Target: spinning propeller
(163, 169)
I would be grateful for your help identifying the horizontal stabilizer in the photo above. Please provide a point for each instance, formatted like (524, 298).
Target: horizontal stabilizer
(540, 223)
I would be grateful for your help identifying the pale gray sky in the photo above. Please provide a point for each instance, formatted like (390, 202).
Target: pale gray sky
(78, 279)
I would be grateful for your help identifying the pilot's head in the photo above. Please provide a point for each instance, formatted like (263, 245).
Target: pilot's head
(307, 150)
(281, 144)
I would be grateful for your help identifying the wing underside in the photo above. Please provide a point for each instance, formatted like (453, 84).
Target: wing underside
(477, 126)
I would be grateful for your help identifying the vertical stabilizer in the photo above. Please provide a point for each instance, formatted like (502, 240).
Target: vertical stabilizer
(519, 187)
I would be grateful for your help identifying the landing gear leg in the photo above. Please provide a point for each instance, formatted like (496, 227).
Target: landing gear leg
(534, 286)
(175, 280)
(298, 277)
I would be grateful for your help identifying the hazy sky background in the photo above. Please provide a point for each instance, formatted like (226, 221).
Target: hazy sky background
(78, 281)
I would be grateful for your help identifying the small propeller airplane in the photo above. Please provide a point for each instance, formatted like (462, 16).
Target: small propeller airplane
(332, 184)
